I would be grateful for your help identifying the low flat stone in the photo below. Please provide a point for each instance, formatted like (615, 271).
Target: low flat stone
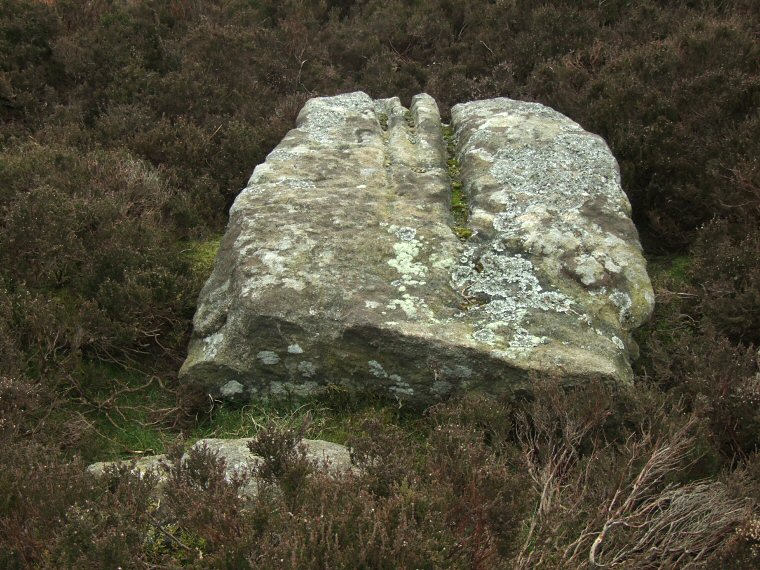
(238, 459)
(340, 265)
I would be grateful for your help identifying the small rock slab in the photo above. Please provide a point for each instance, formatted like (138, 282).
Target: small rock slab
(340, 265)
(238, 459)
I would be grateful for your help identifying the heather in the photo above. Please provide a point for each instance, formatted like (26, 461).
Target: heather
(127, 130)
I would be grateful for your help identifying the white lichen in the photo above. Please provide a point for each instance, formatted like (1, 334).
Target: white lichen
(400, 388)
(405, 233)
(211, 345)
(484, 335)
(268, 357)
(409, 304)
(623, 302)
(411, 271)
(231, 389)
(307, 369)
(376, 369)
(588, 269)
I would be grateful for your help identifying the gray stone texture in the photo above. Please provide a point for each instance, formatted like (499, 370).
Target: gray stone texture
(339, 266)
(238, 460)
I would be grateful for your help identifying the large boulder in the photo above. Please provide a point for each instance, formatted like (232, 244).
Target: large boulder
(343, 263)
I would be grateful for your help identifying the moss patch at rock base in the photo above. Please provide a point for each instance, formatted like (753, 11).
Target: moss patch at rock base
(201, 254)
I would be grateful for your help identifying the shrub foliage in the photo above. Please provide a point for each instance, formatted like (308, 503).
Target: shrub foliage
(128, 127)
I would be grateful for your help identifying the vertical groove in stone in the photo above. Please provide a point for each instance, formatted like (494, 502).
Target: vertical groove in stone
(415, 155)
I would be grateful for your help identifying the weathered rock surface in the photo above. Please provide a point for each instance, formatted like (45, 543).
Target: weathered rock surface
(237, 458)
(340, 266)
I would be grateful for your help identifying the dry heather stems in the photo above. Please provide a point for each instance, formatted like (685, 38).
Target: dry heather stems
(641, 520)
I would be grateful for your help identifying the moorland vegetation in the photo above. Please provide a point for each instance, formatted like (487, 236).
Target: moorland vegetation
(128, 127)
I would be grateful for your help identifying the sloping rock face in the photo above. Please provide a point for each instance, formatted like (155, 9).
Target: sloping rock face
(340, 265)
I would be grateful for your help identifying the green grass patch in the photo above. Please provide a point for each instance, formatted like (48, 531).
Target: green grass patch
(123, 414)
(330, 418)
(118, 413)
(672, 270)
(675, 296)
(201, 254)
(680, 267)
